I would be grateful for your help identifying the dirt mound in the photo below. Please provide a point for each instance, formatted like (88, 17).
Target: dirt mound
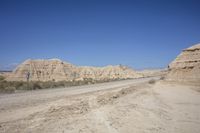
(186, 67)
(57, 70)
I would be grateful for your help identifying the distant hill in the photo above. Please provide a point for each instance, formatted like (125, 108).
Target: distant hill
(58, 70)
(4, 73)
(5, 70)
(186, 67)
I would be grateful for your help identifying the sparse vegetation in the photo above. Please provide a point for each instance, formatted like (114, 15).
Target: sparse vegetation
(10, 89)
(152, 81)
(12, 86)
(1, 78)
(162, 78)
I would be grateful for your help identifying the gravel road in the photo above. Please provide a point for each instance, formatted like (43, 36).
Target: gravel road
(116, 107)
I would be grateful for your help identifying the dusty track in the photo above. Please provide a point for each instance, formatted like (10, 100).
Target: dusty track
(123, 106)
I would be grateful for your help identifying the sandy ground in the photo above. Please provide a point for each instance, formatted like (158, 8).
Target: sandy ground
(117, 107)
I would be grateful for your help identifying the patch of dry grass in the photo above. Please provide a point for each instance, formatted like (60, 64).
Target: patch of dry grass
(12, 86)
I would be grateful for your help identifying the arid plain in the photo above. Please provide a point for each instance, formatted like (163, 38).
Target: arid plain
(166, 101)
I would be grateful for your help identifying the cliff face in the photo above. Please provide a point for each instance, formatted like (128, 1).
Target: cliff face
(108, 72)
(186, 67)
(42, 70)
(57, 70)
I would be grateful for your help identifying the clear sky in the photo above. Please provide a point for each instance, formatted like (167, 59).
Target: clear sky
(137, 33)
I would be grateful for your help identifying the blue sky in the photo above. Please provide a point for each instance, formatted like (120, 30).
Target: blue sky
(138, 33)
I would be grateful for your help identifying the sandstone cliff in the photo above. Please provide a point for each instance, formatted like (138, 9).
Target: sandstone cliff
(57, 70)
(186, 67)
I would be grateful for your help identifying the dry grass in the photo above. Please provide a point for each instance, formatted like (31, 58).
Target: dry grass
(12, 86)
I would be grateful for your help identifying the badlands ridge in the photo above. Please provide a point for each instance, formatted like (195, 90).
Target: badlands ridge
(57, 70)
(185, 68)
(127, 106)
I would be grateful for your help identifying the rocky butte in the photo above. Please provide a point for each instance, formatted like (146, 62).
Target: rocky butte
(186, 67)
(58, 70)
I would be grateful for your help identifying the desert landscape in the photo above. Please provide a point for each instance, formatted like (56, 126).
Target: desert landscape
(99, 66)
(149, 102)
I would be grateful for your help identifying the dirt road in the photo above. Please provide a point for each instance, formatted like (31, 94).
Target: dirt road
(117, 107)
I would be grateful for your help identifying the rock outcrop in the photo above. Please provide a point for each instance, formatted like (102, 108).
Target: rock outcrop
(108, 72)
(186, 67)
(57, 70)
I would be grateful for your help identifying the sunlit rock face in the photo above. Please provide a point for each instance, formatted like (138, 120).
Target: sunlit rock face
(57, 70)
(42, 70)
(186, 67)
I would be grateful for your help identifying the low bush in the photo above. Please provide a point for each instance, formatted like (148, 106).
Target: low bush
(162, 78)
(152, 81)
(9, 89)
(2, 77)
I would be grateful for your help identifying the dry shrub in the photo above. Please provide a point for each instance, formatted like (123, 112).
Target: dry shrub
(162, 78)
(11, 86)
(152, 81)
(2, 77)
(37, 85)
(9, 89)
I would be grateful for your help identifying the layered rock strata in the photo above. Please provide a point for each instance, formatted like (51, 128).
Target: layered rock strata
(57, 70)
(186, 67)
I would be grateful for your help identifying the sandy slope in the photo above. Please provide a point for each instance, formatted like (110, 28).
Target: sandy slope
(118, 107)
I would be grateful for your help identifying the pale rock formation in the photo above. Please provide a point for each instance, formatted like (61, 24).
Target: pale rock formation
(43, 70)
(186, 67)
(108, 72)
(153, 72)
(5, 74)
(57, 70)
